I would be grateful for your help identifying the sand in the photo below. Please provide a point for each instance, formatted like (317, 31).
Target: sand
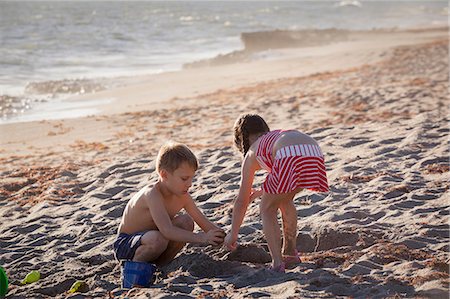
(380, 114)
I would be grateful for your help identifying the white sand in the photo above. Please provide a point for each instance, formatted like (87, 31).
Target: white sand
(379, 113)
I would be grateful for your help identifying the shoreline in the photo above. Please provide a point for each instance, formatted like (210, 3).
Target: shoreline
(231, 70)
(174, 90)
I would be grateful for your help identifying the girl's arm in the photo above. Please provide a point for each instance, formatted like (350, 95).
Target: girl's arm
(249, 167)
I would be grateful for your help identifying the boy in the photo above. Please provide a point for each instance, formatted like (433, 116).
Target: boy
(151, 230)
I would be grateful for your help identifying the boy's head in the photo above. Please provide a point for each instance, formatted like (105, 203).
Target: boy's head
(245, 126)
(172, 155)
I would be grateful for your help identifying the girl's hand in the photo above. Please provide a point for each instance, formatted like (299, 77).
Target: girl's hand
(230, 243)
(255, 194)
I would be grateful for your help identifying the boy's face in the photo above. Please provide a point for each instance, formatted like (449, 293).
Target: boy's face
(180, 180)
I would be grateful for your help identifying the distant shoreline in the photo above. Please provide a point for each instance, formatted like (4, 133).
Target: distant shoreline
(66, 98)
(260, 41)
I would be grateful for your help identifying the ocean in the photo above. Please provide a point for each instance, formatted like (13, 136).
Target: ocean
(52, 49)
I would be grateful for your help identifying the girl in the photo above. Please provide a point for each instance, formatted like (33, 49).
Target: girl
(294, 162)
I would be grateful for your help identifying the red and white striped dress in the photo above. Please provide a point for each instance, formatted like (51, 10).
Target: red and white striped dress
(294, 166)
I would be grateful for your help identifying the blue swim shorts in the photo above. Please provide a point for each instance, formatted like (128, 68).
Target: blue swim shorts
(126, 244)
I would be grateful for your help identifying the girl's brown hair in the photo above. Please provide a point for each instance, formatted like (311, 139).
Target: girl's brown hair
(246, 125)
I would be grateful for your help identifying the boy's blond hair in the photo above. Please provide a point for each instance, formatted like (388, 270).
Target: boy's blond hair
(172, 155)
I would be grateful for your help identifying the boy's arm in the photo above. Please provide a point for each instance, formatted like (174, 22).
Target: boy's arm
(243, 199)
(170, 231)
(199, 218)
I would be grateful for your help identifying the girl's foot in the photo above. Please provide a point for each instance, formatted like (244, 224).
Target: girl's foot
(290, 260)
(280, 269)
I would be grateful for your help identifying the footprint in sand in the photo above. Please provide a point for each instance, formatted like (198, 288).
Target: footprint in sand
(129, 174)
(310, 211)
(390, 178)
(87, 245)
(409, 204)
(85, 184)
(438, 233)
(428, 211)
(444, 212)
(115, 213)
(356, 269)
(26, 229)
(424, 197)
(351, 168)
(205, 196)
(227, 176)
(319, 130)
(438, 160)
(356, 142)
(385, 150)
(104, 175)
(211, 205)
(391, 140)
(101, 196)
(40, 242)
(216, 168)
(396, 192)
(119, 167)
(115, 190)
(350, 215)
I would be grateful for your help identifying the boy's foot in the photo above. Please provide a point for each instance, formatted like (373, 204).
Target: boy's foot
(290, 260)
(280, 269)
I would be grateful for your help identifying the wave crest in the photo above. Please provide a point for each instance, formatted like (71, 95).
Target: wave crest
(265, 40)
(66, 86)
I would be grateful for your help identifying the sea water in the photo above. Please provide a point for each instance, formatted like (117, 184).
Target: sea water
(55, 48)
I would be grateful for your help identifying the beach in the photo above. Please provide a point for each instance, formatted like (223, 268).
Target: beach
(376, 102)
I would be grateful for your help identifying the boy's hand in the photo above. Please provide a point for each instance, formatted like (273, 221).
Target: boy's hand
(214, 236)
(230, 243)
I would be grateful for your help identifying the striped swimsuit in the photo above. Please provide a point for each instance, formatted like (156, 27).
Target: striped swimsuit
(294, 166)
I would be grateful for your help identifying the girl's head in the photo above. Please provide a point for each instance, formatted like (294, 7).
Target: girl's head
(248, 126)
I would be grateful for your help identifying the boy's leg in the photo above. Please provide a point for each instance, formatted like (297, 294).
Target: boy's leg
(289, 216)
(152, 245)
(184, 222)
(269, 208)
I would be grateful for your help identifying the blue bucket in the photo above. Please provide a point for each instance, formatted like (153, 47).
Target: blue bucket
(137, 274)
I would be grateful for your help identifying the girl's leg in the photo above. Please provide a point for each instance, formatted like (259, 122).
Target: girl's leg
(269, 208)
(289, 216)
